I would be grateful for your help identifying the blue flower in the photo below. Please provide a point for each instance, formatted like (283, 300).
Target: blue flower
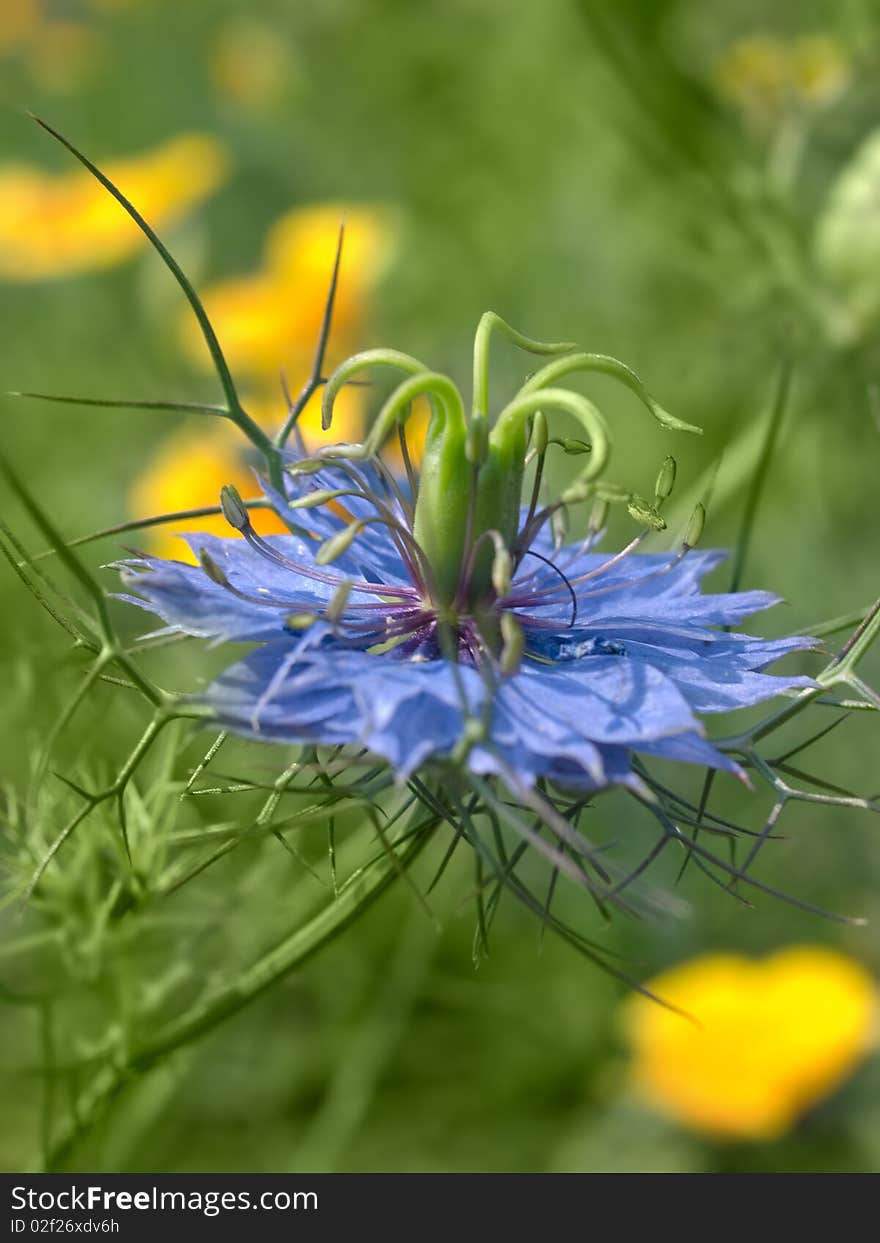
(565, 671)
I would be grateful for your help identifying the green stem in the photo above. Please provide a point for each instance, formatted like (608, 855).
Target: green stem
(398, 407)
(68, 559)
(360, 362)
(235, 412)
(838, 670)
(489, 323)
(607, 365)
(312, 384)
(157, 520)
(353, 900)
(124, 403)
(513, 419)
(759, 478)
(854, 649)
(834, 624)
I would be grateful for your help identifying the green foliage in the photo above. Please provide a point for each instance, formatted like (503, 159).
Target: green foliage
(575, 166)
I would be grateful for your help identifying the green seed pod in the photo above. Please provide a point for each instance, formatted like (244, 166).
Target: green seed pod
(443, 499)
(559, 525)
(575, 448)
(665, 479)
(338, 601)
(598, 514)
(645, 513)
(513, 643)
(300, 621)
(337, 544)
(695, 526)
(313, 499)
(307, 466)
(212, 569)
(234, 510)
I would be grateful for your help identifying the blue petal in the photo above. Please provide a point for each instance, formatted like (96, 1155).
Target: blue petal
(692, 749)
(373, 555)
(627, 679)
(190, 602)
(719, 684)
(406, 711)
(716, 671)
(647, 574)
(647, 586)
(605, 699)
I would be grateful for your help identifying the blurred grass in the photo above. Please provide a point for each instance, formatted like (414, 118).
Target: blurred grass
(571, 166)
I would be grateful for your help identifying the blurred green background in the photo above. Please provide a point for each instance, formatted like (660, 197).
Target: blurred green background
(612, 173)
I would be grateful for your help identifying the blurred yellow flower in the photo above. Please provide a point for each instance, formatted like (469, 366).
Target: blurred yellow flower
(265, 322)
(250, 63)
(57, 45)
(62, 55)
(820, 68)
(271, 319)
(753, 73)
(195, 462)
(21, 19)
(56, 224)
(767, 1039)
(764, 75)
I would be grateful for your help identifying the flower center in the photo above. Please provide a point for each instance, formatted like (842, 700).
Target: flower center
(467, 513)
(460, 532)
(467, 502)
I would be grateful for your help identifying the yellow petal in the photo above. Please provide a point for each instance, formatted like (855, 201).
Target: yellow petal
(62, 54)
(195, 462)
(250, 65)
(21, 20)
(767, 1040)
(256, 326)
(298, 246)
(54, 225)
(754, 73)
(187, 472)
(821, 68)
(270, 411)
(271, 318)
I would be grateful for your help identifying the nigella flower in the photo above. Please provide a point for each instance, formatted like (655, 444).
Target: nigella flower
(437, 632)
(442, 622)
